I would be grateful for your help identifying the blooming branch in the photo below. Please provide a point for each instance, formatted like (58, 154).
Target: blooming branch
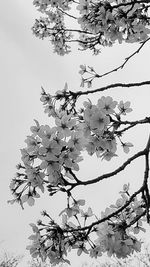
(92, 74)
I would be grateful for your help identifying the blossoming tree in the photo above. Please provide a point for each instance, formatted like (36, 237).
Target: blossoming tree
(52, 156)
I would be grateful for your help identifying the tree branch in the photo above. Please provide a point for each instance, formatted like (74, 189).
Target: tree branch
(125, 62)
(146, 194)
(110, 174)
(142, 121)
(131, 3)
(89, 227)
(132, 124)
(115, 85)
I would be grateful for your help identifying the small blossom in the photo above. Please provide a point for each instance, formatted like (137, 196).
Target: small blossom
(83, 6)
(99, 121)
(50, 149)
(108, 155)
(87, 214)
(126, 187)
(126, 147)
(64, 125)
(77, 140)
(83, 69)
(106, 104)
(82, 82)
(124, 107)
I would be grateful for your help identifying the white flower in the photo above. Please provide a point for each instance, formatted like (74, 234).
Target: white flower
(87, 104)
(126, 187)
(106, 104)
(86, 130)
(29, 199)
(111, 145)
(124, 107)
(50, 109)
(77, 141)
(95, 252)
(50, 149)
(83, 69)
(64, 125)
(120, 202)
(99, 121)
(73, 153)
(65, 159)
(47, 132)
(26, 157)
(91, 148)
(83, 6)
(87, 214)
(61, 93)
(32, 143)
(108, 155)
(35, 177)
(126, 147)
(35, 129)
(89, 111)
(50, 166)
(54, 178)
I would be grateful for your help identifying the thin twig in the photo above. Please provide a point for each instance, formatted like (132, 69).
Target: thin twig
(71, 16)
(132, 124)
(125, 62)
(89, 227)
(111, 86)
(110, 174)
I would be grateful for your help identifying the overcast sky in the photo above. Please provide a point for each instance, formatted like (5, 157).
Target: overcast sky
(26, 64)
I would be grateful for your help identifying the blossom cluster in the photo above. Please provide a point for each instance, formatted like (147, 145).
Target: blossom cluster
(116, 235)
(51, 159)
(101, 23)
(53, 154)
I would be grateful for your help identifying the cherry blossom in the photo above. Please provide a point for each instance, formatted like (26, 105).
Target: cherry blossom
(126, 147)
(64, 125)
(98, 23)
(124, 107)
(107, 105)
(51, 159)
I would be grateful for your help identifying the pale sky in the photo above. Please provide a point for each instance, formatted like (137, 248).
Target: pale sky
(26, 64)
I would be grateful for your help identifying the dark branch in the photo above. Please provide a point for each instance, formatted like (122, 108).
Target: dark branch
(115, 85)
(125, 62)
(130, 3)
(132, 124)
(110, 174)
(89, 227)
